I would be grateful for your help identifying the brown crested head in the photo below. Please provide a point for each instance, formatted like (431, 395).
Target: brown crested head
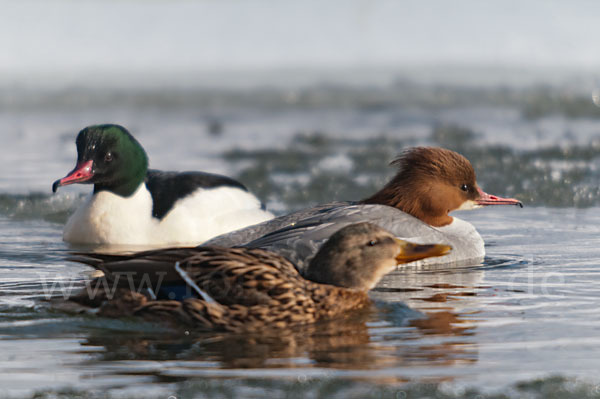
(430, 183)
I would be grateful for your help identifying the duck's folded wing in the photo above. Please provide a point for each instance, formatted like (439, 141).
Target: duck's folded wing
(241, 276)
(301, 241)
(155, 267)
(227, 275)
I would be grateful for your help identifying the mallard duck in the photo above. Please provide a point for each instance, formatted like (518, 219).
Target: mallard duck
(241, 289)
(133, 205)
(415, 205)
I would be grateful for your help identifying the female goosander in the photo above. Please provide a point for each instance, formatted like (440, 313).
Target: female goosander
(430, 183)
(132, 205)
(241, 289)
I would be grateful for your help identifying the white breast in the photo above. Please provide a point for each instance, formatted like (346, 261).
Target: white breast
(467, 244)
(106, 218)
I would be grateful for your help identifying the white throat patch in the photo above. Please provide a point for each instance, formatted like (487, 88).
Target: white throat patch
(468, 205)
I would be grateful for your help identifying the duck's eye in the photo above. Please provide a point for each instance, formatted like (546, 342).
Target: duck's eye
(108, 157)
(464, 187)
(372, 243)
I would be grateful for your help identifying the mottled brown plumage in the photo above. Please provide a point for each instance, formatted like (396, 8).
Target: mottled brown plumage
(241, 289)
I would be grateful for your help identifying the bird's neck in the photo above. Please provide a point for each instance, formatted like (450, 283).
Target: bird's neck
(332, 301)
(413, 198)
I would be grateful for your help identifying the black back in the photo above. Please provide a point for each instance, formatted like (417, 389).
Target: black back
(168, 187)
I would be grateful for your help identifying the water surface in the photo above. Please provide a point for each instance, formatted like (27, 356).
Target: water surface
(524, 322)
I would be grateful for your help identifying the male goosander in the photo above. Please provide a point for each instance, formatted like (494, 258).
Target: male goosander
(242, 289)
(132, 205)
(431, 182)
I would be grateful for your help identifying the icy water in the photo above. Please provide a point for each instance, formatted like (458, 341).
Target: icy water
(524, 323)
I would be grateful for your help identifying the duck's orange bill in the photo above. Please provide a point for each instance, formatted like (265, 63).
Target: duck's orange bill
(487, 199)
(410, 252)
(81, 173)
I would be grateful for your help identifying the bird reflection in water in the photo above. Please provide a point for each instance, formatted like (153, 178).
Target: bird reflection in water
(379, 337)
